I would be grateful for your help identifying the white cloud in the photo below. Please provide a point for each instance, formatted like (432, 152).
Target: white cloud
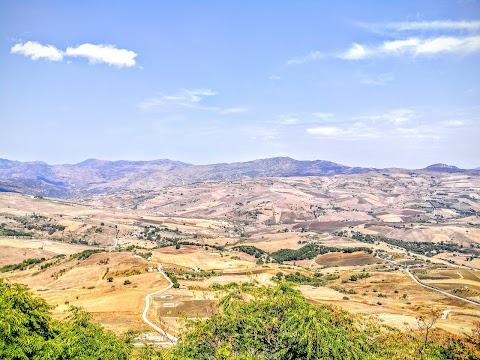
(398, 46)
(311, 56)
(397, 122)
(108, 54)
(183, 98)
(445, 26)
(186, 99)
(432, 25)
(328, 131)
(95, 54)
(449, 44)
(411, 46)
(37, 51)
(274, 77)
(415, 47)
(356, 52)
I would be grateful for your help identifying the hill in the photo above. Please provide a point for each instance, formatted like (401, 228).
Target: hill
(443, 168)
(101, 176)
(278, 323)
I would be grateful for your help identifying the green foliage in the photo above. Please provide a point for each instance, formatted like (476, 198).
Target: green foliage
(172, 278)
(343, 291)
(356, 277)
(311, 251)
(419, 247)
(250, 250)
(198, 274)
(278, 323)
(85, 254)
(146, 255)
(332, 277)
(254, 323)
(25, 264)
(301, 279)
(27, 331)
(4, 231)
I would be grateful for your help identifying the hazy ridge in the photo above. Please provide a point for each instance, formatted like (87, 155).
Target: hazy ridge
(101, 176)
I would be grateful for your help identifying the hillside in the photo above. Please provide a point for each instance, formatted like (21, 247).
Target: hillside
(100, 176)
(276, 322)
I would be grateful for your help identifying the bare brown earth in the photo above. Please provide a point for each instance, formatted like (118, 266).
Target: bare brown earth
(14, 251)
(270, 214)
(342, 259)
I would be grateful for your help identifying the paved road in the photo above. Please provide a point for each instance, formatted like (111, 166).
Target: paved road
(440, 291)
(170, 337)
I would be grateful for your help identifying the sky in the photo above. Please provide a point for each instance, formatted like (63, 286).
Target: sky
(361, 83)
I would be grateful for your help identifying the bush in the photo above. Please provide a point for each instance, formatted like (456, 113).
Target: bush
(33, 334)
(127, 282)
(278, 323)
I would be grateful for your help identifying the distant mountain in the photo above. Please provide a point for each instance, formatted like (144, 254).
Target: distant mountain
(443, 168)
(101, 176)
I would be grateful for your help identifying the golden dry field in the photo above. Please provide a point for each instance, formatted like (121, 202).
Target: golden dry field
(211, 234)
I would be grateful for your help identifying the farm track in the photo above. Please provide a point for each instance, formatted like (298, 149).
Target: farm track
(441, 291)
(173, 339)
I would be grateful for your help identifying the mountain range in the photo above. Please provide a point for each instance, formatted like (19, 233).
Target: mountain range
(101, 176)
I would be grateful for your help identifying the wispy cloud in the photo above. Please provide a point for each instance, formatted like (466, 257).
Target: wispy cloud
(186, 99)
(311, 56)
(304, 118)
(454, 123)
(323, 116)
(445, 37)
(37, 51)
(396, 116)
(376, 79)
(107, 54)
(414, 47)
(425, 25)
(397, 123)
(330, 131)
(356, 52)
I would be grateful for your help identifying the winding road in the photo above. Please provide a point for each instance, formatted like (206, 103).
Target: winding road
(173, 339)
(440, 291)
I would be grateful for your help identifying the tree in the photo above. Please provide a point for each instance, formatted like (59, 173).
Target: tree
(27, 331)
(426, 322)
(278, 323)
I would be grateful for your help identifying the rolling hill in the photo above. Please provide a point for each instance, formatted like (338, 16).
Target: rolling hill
(101, 176)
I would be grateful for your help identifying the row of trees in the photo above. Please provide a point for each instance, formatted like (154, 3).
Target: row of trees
(311, 251)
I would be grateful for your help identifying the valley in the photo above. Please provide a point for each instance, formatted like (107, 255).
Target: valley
(343, 240)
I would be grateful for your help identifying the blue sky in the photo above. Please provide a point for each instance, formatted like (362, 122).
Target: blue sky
(362, 83)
